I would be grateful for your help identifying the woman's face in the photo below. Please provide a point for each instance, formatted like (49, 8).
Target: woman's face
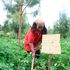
(40, 27)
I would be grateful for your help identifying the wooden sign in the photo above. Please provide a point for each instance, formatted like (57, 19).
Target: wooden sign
(51, 44)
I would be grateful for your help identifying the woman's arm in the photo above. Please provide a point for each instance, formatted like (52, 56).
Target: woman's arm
(32, 47)
(38, 46)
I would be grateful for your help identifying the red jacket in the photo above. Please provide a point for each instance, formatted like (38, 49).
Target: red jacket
(32, 37)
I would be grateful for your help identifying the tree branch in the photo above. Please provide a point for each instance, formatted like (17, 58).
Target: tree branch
(4, 2)
(27, 5)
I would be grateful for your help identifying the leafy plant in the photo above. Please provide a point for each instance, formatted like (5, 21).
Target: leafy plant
(14, 57)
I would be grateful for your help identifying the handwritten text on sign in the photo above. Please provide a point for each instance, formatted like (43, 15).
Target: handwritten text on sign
(51, 44)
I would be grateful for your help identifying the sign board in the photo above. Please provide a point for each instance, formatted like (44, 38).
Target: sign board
(51, 44)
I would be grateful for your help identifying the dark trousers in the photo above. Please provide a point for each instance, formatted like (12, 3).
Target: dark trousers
(37, 54)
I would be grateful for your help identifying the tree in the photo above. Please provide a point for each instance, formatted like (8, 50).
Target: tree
(6, 27)
(68, 33)
(61, 25)
(12, 9)
(50, 30)
(0, 27)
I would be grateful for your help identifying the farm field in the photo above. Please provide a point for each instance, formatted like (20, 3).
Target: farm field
(29, 19)
(14, 57)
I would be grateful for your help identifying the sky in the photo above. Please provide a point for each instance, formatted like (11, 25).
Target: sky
(2, 13)
(49, 11)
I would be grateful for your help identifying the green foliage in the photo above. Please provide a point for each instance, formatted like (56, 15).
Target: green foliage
(13, 8)
(0, 27)
(12, 35)
(65, 43)
(12, 22)
(14, 57)
(68, 33)
(15, 23)
(61, 25)
(60, 62)
(33, 2)
(1, 34)
(6, 27)
(50, 30)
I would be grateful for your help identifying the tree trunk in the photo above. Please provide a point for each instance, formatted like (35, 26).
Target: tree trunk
(20, 23)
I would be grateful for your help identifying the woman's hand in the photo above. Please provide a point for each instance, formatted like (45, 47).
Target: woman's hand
(33, 54)
(32, 47)
(36, 48)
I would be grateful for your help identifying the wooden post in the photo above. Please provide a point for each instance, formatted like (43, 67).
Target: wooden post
(49, 62)
(20, 24)
(32, 66)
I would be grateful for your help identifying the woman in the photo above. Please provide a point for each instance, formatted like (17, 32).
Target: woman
(33, 38)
